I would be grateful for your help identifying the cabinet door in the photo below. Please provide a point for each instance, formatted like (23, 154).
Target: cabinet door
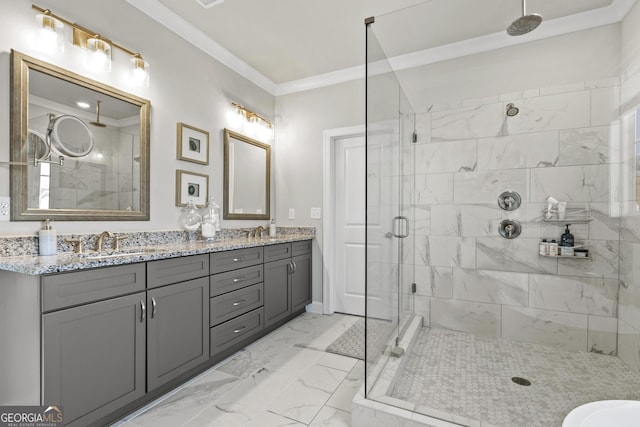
(301, 282)
(178, 330)
(94, 357)
(277, 299)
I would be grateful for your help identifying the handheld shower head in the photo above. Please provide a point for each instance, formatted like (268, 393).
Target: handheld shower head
(524, 24)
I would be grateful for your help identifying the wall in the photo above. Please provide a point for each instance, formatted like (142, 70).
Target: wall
(186, 86)
(629, 308)
(301, 119)
(470, 278)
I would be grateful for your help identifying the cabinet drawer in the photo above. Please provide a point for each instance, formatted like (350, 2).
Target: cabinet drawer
(174, 270)
(227, 306)
(276, 252)
(234, 280)
(81, 287)
(234, 331)
(238, 258)
(301, 248)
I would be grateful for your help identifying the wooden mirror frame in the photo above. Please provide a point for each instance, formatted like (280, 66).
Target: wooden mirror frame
(20, 211)
(226, 213)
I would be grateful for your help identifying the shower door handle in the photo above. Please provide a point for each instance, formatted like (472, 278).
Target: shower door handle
(397, 221)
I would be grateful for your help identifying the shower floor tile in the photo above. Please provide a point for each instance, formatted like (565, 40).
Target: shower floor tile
(471, 376)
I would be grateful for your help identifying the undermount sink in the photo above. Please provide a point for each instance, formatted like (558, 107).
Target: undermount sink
(115, 254)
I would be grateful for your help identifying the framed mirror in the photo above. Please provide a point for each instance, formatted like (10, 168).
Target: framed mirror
(247, 172)
(79, 148)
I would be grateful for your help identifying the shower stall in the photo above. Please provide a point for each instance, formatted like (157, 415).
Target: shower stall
(468, 320)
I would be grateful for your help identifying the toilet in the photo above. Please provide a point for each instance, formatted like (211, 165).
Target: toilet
(605, 413)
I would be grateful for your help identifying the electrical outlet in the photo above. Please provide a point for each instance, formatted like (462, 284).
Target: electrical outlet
(292, 213)
(5, 208)
(316, 213)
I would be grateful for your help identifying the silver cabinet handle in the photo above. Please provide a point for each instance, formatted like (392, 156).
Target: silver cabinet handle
(239, 279)
(239, 302)
(154, 307)
(143, 311)
(240, 329)
(238, 259)
(290, 267)
(295, 267)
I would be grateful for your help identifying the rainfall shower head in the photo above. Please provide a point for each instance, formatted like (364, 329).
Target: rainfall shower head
(512, 110)
(97, 122)
(524, 24)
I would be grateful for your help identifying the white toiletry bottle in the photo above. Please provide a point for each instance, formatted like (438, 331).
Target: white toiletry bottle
(272, 228)
(47, 239)
(553, 248)
(544, 247)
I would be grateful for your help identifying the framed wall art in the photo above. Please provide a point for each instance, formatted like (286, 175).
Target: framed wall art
(193, 144)
(191, 186)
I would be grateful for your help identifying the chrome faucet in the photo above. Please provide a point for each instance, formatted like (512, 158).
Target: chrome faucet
(100, 240)
(258, 232)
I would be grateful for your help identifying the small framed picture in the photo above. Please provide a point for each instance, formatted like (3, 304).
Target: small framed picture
(191, 186)
(193, 144)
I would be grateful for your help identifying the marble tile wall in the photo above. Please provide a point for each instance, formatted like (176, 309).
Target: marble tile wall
(563, 143)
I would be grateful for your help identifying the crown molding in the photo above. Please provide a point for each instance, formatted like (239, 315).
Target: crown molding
(607, 15)
(175, 23)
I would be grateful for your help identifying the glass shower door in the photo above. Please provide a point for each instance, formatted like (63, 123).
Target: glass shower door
(389, 240)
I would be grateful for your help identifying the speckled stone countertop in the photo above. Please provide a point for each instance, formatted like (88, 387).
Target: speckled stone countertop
(68, 261)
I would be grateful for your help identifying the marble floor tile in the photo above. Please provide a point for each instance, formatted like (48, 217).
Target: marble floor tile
(331, 417)
(188, 401)
(303, 399)
(342, 397)
(268, 374)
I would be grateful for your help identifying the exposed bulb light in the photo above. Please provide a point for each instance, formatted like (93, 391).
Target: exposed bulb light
(98, 56)
(139, 71)
(250, 123)
(49, 38)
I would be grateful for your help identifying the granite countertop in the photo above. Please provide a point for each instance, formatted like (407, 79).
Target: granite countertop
(67, 261)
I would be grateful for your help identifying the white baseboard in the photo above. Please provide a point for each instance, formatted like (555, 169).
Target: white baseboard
(315, 307)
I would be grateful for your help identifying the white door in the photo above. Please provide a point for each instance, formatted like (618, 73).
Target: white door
(349, 261)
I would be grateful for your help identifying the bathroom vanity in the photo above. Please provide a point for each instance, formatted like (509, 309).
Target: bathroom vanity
(103, 337)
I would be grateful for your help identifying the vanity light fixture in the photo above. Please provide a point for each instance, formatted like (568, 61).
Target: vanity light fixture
(50, 35)
(98, 54)
(98, 48)
(252, 123)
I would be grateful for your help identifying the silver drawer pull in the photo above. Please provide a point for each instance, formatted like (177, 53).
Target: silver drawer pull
(240, 329)
(239, 302)
(143, 310)
(154, 307)
(239, 279)
(238, 259)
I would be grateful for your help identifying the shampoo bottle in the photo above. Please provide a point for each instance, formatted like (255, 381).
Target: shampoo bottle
(567, 238)
(47, 239)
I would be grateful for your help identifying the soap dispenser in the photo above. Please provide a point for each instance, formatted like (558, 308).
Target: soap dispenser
(567, 238)
(47, 239)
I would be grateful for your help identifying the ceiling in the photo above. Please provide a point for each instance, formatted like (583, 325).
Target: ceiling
(288, 45)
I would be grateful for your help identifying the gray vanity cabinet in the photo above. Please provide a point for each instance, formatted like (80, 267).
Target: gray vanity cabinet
(277, 301)
(177, 317)
(287, 280)
(177, 330)
(237, 295)
(94, 357)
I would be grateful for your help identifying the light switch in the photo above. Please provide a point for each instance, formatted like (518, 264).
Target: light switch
(292, 213)
(316, 213)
